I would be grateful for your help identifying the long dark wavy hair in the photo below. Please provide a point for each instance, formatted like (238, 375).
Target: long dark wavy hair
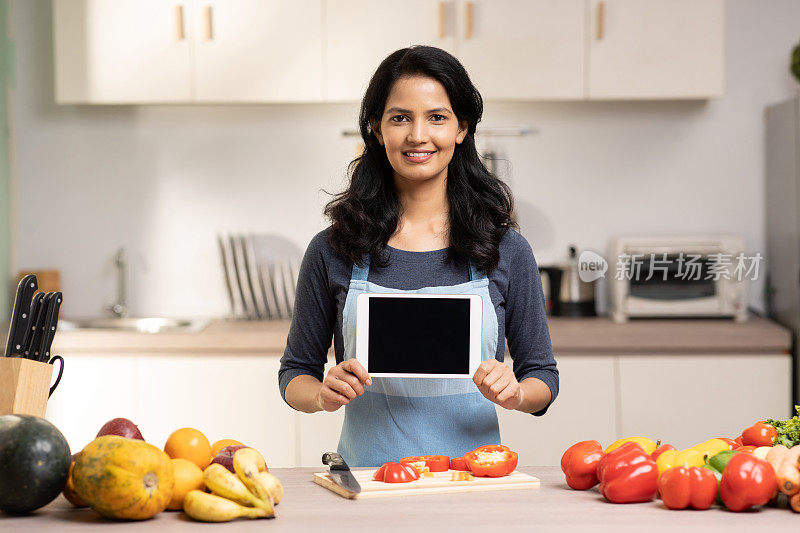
(366, 214)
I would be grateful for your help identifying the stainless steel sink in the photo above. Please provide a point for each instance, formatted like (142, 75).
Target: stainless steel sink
(141, 324)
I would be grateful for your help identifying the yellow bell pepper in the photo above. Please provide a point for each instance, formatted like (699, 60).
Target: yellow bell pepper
(711, 447)
(648, 445)
(674, 458)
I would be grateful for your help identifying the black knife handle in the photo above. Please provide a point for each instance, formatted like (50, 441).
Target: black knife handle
(20, 315)
(49, 328)
(31, 326)
(36, 333)
(334, 460)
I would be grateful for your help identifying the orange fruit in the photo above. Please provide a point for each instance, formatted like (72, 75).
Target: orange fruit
(188, 476)
(190, 444)
(217, 446)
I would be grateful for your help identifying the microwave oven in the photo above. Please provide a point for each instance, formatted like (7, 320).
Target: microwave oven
(678, 276)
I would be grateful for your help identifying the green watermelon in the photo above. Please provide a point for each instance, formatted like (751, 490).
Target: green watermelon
(34, 463)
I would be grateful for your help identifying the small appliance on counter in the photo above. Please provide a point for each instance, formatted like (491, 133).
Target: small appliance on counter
(677, 276)
(565, 293)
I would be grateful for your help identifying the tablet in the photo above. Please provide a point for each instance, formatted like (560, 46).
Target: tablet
(419, 335)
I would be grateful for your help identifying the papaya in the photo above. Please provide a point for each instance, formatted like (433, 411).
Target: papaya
(69, 489)
(123, 478)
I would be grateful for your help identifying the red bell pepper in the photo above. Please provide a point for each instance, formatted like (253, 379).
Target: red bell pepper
(459, 463)
(661, 449)
(628, 475)
(738, 442)
(683, 487)
(579, 464)
(759, 434)
(747, 481)
(732, 444)
(395, 473)
(491, 461)
(746, 449)
(435, 463)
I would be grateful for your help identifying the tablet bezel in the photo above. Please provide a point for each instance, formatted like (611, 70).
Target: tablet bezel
(475, 331)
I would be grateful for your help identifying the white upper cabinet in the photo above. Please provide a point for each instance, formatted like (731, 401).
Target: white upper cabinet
(359, 34)
(107, 51)
(523, 49)
(655, 49)
(258, 51)
(263, 51)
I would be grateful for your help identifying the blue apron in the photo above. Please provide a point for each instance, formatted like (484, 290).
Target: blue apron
(398, 417)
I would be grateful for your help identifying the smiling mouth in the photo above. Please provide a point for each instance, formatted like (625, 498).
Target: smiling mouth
(419, 155)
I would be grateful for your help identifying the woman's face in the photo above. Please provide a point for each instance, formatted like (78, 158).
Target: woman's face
(419, 129)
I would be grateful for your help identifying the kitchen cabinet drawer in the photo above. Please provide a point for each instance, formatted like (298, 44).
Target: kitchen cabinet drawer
(686, 399)
(655, 49)
(585, 409)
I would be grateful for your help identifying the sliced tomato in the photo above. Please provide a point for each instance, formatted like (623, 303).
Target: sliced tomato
(459, 463)
(492, 461)
(395, 473)
(435, 463)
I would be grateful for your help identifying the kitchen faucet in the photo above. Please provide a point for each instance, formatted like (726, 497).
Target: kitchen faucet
(120, 307)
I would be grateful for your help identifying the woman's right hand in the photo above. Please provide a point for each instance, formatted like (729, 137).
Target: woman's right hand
(343, 383)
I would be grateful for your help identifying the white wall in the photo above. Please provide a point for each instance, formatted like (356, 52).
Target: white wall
(162, 180)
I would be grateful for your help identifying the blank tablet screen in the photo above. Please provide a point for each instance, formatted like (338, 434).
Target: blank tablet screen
(419, 335)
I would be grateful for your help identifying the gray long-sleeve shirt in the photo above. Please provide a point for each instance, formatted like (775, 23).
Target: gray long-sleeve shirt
(514, 287)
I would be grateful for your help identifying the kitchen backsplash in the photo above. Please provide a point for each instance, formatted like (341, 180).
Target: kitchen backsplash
(163, 180)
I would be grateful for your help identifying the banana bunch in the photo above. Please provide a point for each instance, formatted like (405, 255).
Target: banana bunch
(250, 493)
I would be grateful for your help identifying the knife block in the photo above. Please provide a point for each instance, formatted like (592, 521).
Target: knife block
(24, 386)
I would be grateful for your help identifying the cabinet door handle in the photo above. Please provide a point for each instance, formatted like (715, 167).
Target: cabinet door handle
(601, 16)
(442, 17)
(469, 12)
(208, 23)
(179, 26)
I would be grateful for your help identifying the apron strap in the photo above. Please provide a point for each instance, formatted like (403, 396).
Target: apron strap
(474, 275)
(360, 273)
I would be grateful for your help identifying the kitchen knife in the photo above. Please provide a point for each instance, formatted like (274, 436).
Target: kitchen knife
(32, 352)
(36, 304)
(49, 329)
(340, 472)
(20, 315)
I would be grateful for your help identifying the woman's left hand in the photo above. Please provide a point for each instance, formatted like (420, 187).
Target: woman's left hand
(498, 383)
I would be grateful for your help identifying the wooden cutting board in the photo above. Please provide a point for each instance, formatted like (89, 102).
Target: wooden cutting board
(440, 482)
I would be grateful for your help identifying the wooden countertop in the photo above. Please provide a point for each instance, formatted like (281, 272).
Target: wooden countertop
(551, 507)
(570, 336)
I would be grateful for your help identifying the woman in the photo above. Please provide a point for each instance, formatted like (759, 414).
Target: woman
(421, 214)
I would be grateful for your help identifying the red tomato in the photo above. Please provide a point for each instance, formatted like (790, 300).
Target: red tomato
(395, 473)
(459, 463)
(731, 443)
(746, 449)
(435, 463)
(759, 434)
(491, 461)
